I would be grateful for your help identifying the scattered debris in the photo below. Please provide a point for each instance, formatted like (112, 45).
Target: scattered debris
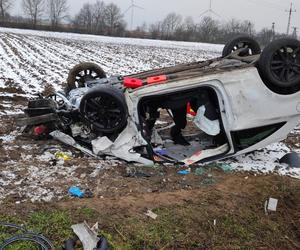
(184, 172)
(151, 214)
(89, 238)
(64, 138)
(76, 192)
(292, 159)
(271, 205)
(133, 173)
(64, 156)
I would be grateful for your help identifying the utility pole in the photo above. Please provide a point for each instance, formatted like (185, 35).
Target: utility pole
(290, 17)
(273, 31)
(249, 28)
(294, 35)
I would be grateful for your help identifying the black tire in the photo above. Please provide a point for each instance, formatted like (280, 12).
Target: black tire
(279, 66)
(82, 73)
(105, 108)
(251, 46)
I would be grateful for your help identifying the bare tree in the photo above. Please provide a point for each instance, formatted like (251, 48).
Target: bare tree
(113, 19)
(57, 11)
(170, 24)
(84, 18)
(34, 9)
(5, 5)
(208, 30)
(155, 30)
(99, 17)
(265, 36)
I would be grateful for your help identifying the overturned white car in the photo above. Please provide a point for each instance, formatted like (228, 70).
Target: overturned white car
(195, 112)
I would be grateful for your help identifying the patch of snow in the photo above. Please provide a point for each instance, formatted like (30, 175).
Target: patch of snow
(265, 160)
(8, 138)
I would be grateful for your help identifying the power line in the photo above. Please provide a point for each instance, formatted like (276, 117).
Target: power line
(290, 11)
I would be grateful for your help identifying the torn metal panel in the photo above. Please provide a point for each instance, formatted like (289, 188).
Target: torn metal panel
(88, 238)
(123, 146)
(64, 138)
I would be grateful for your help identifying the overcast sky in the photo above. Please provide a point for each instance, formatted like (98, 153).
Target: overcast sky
(261, 12)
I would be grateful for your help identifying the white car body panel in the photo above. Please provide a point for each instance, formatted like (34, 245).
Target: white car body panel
(245, 102)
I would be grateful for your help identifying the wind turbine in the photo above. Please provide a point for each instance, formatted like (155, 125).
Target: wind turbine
(132, 7)
(210, 10)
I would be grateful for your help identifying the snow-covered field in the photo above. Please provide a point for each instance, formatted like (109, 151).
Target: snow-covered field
(30, 59)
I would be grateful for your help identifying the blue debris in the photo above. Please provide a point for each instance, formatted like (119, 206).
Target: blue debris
(183, 172)
(76, 192)
(161, 151)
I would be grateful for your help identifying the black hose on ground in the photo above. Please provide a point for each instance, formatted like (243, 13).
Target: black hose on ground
(25, 236)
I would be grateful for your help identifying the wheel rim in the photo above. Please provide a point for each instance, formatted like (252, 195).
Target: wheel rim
(104, 112)
(248, 50)
(86, 75)
(285, 64)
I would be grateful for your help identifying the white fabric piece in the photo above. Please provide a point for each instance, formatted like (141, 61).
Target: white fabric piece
(206, 125)
(123, 145)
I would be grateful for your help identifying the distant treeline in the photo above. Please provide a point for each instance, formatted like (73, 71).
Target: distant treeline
(107, 19)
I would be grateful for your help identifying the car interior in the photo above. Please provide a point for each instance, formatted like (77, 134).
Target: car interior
(196, 113)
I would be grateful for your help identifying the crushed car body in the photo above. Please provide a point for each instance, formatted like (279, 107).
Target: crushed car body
(230, 105)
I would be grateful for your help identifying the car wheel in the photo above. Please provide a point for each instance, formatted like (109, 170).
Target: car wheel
(105, 108)
(82, 73)
(250, 45)
(279, 65)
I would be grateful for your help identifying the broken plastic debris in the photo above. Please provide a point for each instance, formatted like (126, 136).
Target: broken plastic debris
(64, 156)
(271, 205)
(184, 172)
(76, 192)
(40, 130)
(151, 214)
